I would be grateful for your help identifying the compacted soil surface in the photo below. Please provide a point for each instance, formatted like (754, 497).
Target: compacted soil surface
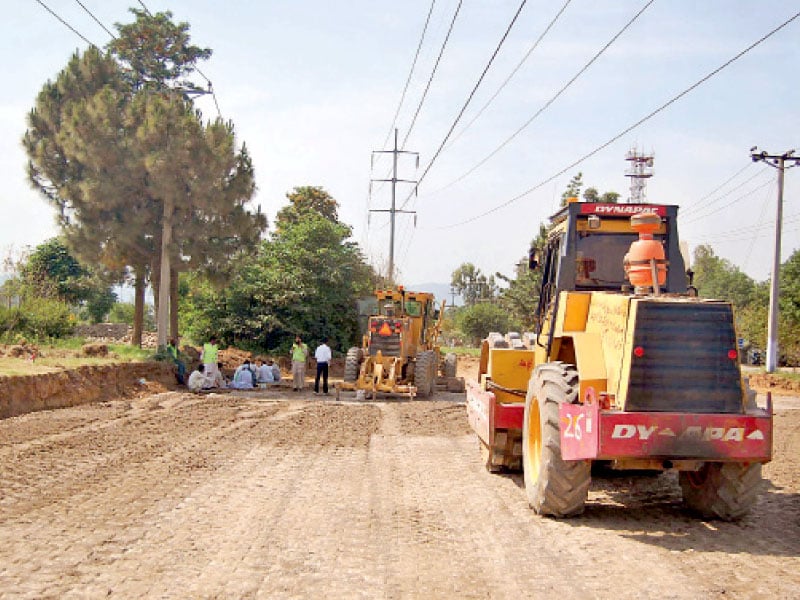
(279, 494)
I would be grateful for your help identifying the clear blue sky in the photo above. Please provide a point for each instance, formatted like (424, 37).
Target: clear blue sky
(312, 87)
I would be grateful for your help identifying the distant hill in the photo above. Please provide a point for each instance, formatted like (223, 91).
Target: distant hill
(441, 290)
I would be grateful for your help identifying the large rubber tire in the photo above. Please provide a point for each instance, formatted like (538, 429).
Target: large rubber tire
(425, 373)
(554, 486)
(724, 491)
(450, 365)
(352, 364)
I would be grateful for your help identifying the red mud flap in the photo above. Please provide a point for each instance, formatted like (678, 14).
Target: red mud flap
(486, 414)
(590, 433)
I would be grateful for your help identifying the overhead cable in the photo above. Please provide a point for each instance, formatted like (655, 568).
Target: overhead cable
(720, 186)
(628, 129)
(433, 73)
(513, 72)
(196, 68)
(760, 223)
(70, 27)
(547, 104)
(471, 95)
(747, 194)
(410, 73)
(694, 208)
(96, 20)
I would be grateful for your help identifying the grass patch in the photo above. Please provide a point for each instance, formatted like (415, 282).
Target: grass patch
(63, 354)
(462, 350)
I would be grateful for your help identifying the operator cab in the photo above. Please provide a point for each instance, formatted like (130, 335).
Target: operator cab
(587, 244)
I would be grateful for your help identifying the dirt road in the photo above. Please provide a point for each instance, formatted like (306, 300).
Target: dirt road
(265, 495)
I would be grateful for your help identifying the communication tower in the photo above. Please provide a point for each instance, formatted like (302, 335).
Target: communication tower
(640, 170)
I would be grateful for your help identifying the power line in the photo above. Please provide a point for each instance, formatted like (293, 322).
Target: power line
(96, 20)
(513, 72)
(547, 104)
(433, 73)
(696, 218)
(720, 186)
(472, 94)
(196, 68)
(628, 129)
(758, 226)
(70, 27)
(697, 207)
(410, 73)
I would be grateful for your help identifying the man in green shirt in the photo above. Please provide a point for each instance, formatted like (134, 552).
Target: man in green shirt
(209, 357)
(299, 358)
(172, 350)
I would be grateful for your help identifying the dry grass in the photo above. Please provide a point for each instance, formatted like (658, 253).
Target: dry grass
(51, 359)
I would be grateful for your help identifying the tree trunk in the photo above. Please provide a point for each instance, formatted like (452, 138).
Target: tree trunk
(166, 270)
(138, 305)
(155, 269)
(173, 305)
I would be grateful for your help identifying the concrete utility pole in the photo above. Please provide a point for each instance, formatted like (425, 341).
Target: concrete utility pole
(778, 161)
(394, 210)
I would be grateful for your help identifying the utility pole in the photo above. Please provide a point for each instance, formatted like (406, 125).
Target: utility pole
(778, 161)
(394, 210)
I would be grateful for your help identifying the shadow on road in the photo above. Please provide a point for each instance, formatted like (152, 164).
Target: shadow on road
(649, 509)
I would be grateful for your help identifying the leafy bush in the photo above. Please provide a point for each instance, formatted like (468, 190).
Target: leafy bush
(38, 318)
(46, 318)
(122, 312)
(477, 321)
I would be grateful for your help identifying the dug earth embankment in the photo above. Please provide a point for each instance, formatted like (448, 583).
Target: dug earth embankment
(71, 387)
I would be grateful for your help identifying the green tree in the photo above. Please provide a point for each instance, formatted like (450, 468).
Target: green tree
(304, 280)
(138, 179)
(790, 289)
(573, 189)
(51, 271)
(472, 285)
(521, 297)
(591, 194)
(155, 52)
(308, 198)
(476, 321)
(716, 277)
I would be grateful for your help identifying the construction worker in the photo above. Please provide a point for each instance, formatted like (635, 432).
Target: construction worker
(180, 367)
(299, 358)
(209, 358)
(198, 380)
(323, 356)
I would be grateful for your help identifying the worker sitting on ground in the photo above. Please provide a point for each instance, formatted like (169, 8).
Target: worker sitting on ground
(219, 381)
(276, 370)
(244, 377)
(198, 380)
(264, 372)
(180, 366)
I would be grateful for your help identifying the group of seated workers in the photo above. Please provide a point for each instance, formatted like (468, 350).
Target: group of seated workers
(247, 376)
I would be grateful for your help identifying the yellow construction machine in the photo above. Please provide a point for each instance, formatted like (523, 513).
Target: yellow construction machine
(628, 368)
(400, 351)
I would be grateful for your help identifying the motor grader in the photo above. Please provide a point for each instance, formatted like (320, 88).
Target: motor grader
(400, 352)
(628, 369)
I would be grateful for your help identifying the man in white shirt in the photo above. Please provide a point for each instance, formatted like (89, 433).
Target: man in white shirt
(276, 370)
(198, 380)
(323, 356)
(264, 372)
(243, 377)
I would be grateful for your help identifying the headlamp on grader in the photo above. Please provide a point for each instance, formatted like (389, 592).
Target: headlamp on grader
(627, 367)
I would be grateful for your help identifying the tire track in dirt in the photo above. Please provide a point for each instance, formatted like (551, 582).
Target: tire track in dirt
(253, 497)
